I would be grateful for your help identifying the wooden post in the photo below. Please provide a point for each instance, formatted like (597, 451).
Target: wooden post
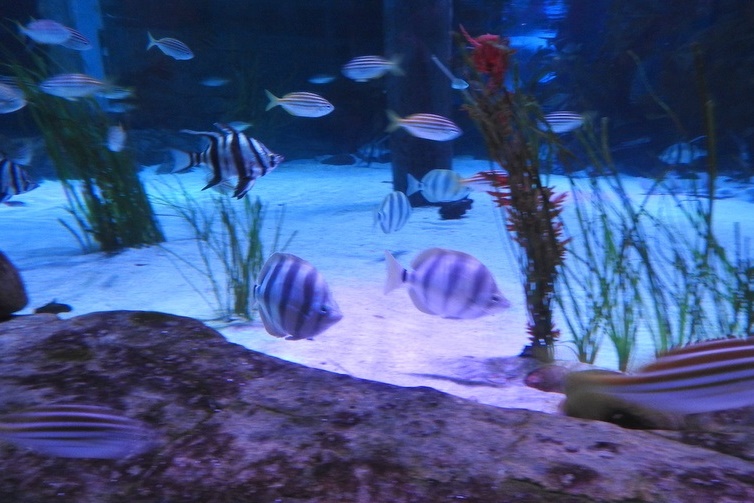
(415, 30)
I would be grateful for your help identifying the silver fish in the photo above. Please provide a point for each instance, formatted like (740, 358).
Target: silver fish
(14, 180)
(321, 78)
(76, 431)
(294, 299)
(703, 377)
(682, 153)
(116, 138)
(562, 122)
(301, 104)
(439, 186)
(11, 98)
(230, 154)
(363, 68)
(447, 283)
(394, 212)
(427, 126)
(77, 41)
(71, 85)
(215, 81)
(171, 47)
(46, 31)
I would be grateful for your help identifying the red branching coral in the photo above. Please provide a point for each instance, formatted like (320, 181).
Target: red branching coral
(491, 56)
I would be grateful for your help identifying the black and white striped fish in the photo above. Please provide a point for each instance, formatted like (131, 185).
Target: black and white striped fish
(76, 431)
(293, 298)
(171, 47)
(439, 186)
(562, 122)
(230, 154)
(364, 68)
(447, 283)
(427, 126)
(703, 377)
(393, 212)
(14, 180)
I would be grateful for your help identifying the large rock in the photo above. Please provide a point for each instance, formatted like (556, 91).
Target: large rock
(12, 292)
(238, 426)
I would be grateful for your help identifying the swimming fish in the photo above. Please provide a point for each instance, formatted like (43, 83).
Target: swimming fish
(447, 283)
(116, 138)
(702, 377)
(53, 307)
(427, 126)
(230, 154)
(301, 104)
(439, 186)
(293, 298)
(682, 152)
(321, 78)
(11, 98)
(393, 212)
(215, 81)
(171, 47)
(71, 86)
(363, 68)
(14, 180)
(562, 122)
(46, 31)
(76, 41)
(76, 431)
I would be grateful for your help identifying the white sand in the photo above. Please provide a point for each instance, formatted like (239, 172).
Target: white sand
(381, 337)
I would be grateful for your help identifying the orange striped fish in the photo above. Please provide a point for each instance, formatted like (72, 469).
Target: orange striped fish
(704, 377)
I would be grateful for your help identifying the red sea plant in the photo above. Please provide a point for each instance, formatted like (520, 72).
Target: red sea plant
(508, 121)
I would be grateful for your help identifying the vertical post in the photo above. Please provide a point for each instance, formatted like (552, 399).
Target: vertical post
(84, 16)
(417, 29)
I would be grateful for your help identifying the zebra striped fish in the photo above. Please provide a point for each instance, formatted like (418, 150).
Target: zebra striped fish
(230, 154)
(394, 212)
(301, 104)
(703, 377)
(427, 126)
(363, 68)
(562, 122)
(439, 186)
(293, 298)
(71, 85)
(76, 431)
(171, 47)
(447, 283)
(14, 180)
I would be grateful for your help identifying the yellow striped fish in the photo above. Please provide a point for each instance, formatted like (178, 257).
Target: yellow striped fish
(704, 377)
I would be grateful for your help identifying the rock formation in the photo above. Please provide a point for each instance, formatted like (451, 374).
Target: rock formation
(12, 292)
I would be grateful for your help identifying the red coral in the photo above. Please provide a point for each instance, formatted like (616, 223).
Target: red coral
(491, 56)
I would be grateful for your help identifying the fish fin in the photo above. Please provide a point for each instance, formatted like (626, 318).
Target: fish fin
(419, 303)
(271, 327)
(182, 161)
(274, 100)
(214, 181)
(394, 121)
(414, 185)
(244, 185)
(395, 67)
(395, 273)
(151, 42)
(225, 128)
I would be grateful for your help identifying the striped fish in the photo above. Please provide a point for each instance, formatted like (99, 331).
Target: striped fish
(71, 85)
(703, 377)
(682, 153)
(11, 98)
(439, 186)
(427, 126)
(230, 154)
(77, 41)
(45, 31)
(363, 68)
(393, 213)
(171, 47)
(562, 122)
(293, 298)
(76, 431)
(301, 104)
(14, 180)
(447, 283)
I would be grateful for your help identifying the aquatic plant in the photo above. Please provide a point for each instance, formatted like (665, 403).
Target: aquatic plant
(105, 195)
(228, 238)
(508, 120)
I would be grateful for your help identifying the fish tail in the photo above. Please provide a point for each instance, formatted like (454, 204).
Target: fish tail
(394, 121)
(395, 66)
(414, 185)
(395, 273)
(152, 42)
(182, 161)
(274, 101)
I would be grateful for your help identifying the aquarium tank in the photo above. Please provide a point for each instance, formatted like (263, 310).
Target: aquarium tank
(415, 192)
